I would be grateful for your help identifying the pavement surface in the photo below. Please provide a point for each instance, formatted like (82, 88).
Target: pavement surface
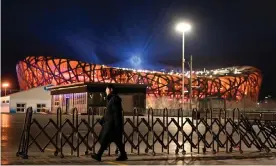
(191, 159)
(11, 129)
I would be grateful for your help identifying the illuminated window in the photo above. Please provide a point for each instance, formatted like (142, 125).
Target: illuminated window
(39, 107)
(56, 100)
(20, 107)
(79, 98)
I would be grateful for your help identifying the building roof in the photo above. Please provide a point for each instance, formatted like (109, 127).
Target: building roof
(96, 87)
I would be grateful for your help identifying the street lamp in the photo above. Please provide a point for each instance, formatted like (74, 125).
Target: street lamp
(5, 85)
(183, 27)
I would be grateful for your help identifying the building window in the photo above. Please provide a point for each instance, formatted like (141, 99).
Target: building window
(20, 107)
(96, 99)
(39, 107)
(56, 100)
(56, 103)
(79, 98)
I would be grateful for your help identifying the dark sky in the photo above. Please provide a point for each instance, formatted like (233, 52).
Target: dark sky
(225, 33)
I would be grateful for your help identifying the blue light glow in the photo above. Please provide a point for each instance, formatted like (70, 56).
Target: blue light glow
(90, 39)
(135, 60)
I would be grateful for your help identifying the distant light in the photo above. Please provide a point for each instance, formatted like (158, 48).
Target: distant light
(5, 85)
(183, 27)
(266, 97)
(258, 103)
(135, 60)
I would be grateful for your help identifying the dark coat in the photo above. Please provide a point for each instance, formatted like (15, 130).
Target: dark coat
(112, 121)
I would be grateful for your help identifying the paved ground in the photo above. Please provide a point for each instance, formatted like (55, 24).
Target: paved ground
(219, 159)
(11, 128)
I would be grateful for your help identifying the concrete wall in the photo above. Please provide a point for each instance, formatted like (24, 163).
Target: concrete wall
(30, 98)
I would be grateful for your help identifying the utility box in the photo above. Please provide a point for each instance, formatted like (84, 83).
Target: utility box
(210, 105)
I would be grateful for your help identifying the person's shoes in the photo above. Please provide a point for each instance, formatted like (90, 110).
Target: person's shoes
(122, 157)
(96, 157)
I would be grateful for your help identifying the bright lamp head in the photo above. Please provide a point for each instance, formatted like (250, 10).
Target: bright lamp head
(5, 85)
(183, 27)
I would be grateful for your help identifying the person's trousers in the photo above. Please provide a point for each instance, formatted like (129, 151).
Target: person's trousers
(118, 143)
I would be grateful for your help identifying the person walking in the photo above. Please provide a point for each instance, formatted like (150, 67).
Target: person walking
(112, 125)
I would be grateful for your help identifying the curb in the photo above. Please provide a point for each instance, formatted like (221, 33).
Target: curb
(209, 157)
(133, 157)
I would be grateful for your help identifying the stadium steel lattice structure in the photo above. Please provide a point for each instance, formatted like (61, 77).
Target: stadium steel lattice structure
(230, 83)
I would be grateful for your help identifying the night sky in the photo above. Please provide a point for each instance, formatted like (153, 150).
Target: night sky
(225, 33)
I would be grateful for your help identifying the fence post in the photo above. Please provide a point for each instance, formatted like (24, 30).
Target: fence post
(225, 128)
(93, 132)
(204, 137)
(60, 131)
(89, 129)
(182, 128)
(152, 126)
(133, 130)
(164, 129)
(220, 122)
(165, 112)
(58, 116)
(197, 131)
(137, 130)
(149, 130)
(24, 141)
(73, 131)
(239, 121)
(191, 148)
(213, 140)
(76, 129)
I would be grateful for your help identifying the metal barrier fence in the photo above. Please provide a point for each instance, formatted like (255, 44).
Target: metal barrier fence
(204, 130)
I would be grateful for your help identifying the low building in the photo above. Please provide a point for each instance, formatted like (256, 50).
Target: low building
(5, 104)
(85, 95)
(38, 98)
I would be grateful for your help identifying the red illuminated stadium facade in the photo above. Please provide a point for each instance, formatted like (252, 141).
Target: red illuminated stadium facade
(230, 83)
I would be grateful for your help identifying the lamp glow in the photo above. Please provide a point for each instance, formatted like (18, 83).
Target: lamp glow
(5, 85)
(183, 27)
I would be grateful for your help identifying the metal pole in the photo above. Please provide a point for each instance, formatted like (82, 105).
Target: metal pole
(5, 91)
(244, 98)
(191, 91)
(183, 63)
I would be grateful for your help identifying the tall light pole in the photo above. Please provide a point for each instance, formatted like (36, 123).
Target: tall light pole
(183, 27)
(5, 85)
(191, 90)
